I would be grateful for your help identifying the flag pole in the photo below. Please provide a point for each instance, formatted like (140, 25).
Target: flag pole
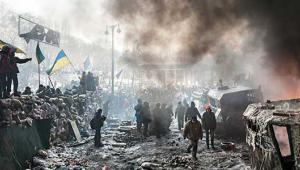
(51, 81)
(39, 71)
(73, 67)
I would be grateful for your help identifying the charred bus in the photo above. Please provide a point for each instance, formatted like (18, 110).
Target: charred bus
(229, 105)
(273, 134)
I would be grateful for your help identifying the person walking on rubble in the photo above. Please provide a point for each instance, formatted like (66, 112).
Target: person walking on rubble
(179, 114)
(193, 131)
(209, 125)
(14, 70)
(146, 118)
(4, 71)
(96, 123)
(138, 109)
(192, 112)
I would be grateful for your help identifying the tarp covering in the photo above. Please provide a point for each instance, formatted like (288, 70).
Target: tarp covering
(19, 143)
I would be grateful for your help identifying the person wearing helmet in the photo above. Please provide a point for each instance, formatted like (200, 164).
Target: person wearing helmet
(209, 125)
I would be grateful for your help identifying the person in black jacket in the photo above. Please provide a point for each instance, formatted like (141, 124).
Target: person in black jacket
(209, 124)
(4, 71)
(14, 70)
(146, 118)
(192, 112)
(97, 122)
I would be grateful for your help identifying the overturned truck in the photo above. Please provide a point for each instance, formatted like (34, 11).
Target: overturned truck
(229, 104)
(273, 134)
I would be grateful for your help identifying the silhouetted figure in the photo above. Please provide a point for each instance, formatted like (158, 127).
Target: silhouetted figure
(96, 123)
(157, 120)
(146, 118)
(209, 124)
(4, 71)
(179, 114)
(192, 112)
(14, 70)
(138, 109)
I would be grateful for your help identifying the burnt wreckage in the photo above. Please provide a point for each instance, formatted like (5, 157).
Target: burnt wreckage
(273, 131)
(229, 104)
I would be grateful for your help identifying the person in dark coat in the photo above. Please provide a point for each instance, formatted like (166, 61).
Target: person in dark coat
(14, 70)
(138, 109)
(4, 71)
(146, 118)
(192, 112)
(157, 120)
(98, 122)
(193, 131)
(179, 114)
(209, 124)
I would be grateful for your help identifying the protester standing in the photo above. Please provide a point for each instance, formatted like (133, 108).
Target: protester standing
(138, 109)
(209, 124)
(179, 114)
(96, 123)
(146, 118)
(14, 70)
(4, 71)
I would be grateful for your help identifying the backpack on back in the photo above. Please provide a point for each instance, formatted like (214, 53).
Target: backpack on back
(93, 123)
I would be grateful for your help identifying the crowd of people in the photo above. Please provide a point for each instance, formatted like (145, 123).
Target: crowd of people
(88, 82)
(9, 71)
(160, 118)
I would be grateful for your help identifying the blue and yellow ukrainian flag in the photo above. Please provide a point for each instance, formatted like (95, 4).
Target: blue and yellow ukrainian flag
(60, 62)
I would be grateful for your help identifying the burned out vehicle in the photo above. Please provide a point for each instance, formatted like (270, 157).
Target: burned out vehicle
(273, 134)
(229, 105)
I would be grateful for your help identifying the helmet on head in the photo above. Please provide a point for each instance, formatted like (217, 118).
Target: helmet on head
(208, 108)
(5, 49)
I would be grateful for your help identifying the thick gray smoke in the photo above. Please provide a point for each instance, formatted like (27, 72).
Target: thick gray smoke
(261, 37)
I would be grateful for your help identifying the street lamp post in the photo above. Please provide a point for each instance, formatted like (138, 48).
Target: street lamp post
(112, 56)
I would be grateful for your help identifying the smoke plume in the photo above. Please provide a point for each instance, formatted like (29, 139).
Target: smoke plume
(261, 37)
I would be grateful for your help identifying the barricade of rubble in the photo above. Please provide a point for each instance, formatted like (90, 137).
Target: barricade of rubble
(61, 109)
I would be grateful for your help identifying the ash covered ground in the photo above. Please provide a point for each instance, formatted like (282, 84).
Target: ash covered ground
(129, 150)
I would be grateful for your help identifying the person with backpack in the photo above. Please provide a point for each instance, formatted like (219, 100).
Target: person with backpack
(4, 71)
(14, 70)
(96, 124)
